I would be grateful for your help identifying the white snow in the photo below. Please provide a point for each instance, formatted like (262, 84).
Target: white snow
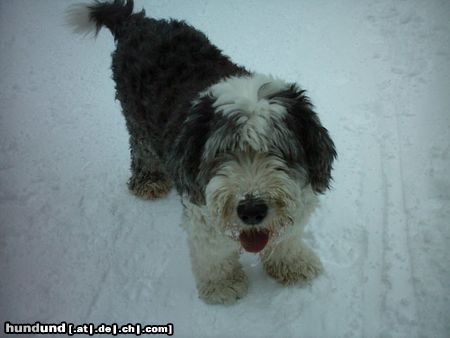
(76, 246)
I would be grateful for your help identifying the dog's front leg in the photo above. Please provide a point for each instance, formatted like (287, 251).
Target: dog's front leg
(291, 261)
(215, 264)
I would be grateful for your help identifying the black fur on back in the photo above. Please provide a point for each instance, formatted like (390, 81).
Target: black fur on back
(160, 67)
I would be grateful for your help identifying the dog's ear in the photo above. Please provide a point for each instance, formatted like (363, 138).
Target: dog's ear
(317, 149)
(185, 157)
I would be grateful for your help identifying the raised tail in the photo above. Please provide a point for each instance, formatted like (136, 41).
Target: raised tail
(88, 18)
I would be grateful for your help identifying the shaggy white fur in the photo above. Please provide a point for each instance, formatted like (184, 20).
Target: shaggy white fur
(215, 258)
(251, 167)
(245, 100)
(213, 229)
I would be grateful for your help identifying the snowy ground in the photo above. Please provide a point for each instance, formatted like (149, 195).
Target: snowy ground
(76, 246)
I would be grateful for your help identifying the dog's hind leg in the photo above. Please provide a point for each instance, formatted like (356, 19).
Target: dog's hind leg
(148, 179)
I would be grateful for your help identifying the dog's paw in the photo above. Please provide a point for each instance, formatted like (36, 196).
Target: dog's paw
(302, 267)
(224, 291)
(148, 188)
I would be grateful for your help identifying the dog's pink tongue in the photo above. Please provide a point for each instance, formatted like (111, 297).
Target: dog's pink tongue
(254, 241)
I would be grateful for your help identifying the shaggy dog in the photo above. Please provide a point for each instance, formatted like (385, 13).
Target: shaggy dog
(246, 152)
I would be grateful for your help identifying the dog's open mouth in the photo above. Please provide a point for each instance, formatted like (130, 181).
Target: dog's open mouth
(254, 240)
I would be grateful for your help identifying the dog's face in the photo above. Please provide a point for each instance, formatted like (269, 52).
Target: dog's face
(255, 196)
(255, 154)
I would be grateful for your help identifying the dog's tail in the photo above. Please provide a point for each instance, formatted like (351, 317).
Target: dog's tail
(88, 18)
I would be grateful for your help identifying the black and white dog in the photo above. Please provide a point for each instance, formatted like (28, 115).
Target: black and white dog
(246, 151)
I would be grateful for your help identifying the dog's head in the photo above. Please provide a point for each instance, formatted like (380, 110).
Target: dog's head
(254, 152)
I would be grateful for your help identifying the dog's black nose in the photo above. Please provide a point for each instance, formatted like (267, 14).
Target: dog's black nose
(252, 211)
